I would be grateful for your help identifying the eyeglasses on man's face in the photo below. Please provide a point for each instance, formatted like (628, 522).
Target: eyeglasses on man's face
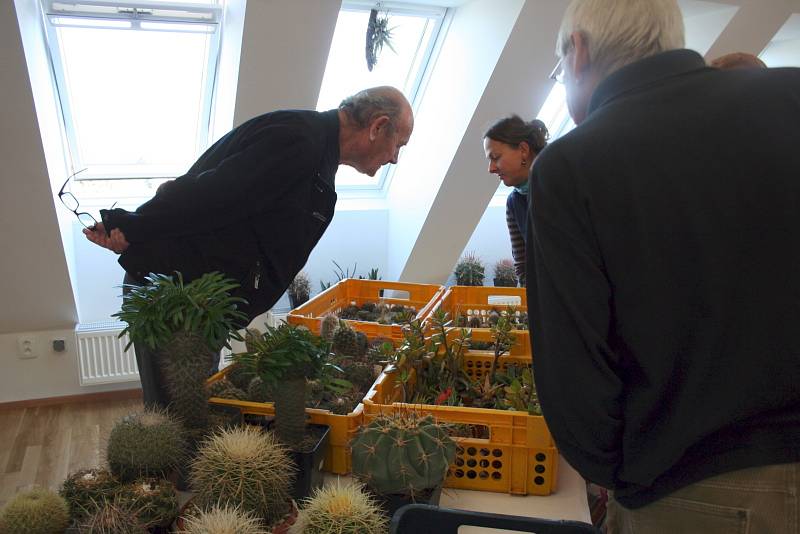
(558, 73)
(72, 204)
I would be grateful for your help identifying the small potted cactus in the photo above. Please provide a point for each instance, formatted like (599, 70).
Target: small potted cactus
(245, 468)
(84, 487)
(299, 290)
(470, 270)
(505, 275)
(343, 508)
(155, 500)
(221, 519)
(38, 511)
(113, 515)
(403, 458)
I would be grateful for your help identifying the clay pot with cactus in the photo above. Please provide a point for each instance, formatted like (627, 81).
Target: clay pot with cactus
(299, 290)
(245, 468)
(403, 458)
(38, 511)
(343, 508)
(505, 275)
(470, 270)
(188, 324)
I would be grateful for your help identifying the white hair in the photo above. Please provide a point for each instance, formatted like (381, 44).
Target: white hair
(620, 32)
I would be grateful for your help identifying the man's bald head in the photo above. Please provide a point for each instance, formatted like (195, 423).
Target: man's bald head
(367, 105)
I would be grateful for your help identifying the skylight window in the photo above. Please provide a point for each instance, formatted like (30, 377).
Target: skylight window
(413, 35)
(135, 83)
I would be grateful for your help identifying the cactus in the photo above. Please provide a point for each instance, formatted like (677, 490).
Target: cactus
(112, 517)
(247, 468)
(344, 340)
(186, 363)
(341, 509)
(83, 488)
(222, 520)
(402, 454)
(239, 377)
(154, 499)
(505, 275)
(149, 443)
(299, 290)
(469, 270)
(259, 391)
(224, 389)
(38, 511)
(328, 327)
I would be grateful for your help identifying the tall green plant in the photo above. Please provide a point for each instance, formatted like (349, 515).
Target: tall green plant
(284, 357)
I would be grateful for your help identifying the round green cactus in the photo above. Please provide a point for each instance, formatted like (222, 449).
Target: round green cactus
(155, 501)
(38, 511)
(341, 509)
(226, 390)
(328, 327)
(345, 342)
(113, 517)
(149, 443)
(221, 519)
(83, 488)
(403, 454)
(244, 467)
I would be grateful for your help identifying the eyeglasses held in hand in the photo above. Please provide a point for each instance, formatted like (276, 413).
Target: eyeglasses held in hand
(72, 204)
(558, 73)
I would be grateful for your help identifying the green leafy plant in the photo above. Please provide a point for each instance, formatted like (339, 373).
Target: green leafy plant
(284, 357)
(372, 274)
(520, 391)
(469, 270)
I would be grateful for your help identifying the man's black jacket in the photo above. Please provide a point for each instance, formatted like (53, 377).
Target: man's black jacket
(664, 276)
(253, 207)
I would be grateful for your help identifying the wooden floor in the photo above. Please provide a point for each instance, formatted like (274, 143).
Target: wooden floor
(39, 446)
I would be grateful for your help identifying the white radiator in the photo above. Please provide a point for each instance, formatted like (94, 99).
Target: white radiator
(102, 355)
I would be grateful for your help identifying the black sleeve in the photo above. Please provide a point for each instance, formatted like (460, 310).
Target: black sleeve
(240, 186)
(570, 307)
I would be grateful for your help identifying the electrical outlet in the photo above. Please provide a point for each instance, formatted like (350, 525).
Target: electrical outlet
(27, 347)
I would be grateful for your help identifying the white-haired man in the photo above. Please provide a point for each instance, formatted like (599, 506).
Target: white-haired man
(664, 278)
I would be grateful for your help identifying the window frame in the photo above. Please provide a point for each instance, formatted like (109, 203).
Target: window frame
(140, 11)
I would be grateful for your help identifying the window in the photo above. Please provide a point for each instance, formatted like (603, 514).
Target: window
(413, 35)
(135, 83)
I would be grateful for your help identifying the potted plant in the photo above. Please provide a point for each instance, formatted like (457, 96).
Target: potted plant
(504, 274)
(343, 508)
(188, 324)
(285, 358)
(299, 290)
(38, 510)
(83, 487)
(221, 519)
(245, 468)
(469, 270)
(403, 458)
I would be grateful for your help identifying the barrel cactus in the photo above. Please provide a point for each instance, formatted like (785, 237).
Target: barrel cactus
(345, 342)
(244, 467)
(112, 517)
(402, 454)
(83, 488)
(149, 443)
(470, 270)
(38, 511)
(328, 326)
(155, 501)
(221, 520)
(226, 390)
(343, 508)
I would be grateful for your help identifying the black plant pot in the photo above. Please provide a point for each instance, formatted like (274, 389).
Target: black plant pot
(392, 502)
(502, 282)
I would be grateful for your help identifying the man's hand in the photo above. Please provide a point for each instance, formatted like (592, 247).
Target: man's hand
(115, 242)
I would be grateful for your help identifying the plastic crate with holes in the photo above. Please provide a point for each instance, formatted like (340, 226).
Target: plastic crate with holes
(513, 451)
(357, 292)
(342, 427)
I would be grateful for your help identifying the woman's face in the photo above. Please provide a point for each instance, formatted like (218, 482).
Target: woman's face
(509, 163)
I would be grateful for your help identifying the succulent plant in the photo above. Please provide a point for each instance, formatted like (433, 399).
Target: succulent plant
(112, 517)
(402, 454)
(300, 289)
(186, 363)
(344, 340)
(259, 391)
(224, 389)
(505, 275)
(38, 511)
(328, 327)
(83, 488)
(239, 376)
(154, 499)
(222, 520)
(244, 467)
(343, 508)
(470, 270)
(149, 443)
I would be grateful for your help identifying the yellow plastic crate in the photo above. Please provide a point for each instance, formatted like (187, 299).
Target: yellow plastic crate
(467, 301)
(342, 427)
(518, 457)
(421, 297)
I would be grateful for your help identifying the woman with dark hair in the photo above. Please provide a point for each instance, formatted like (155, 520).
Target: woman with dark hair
(511, 145)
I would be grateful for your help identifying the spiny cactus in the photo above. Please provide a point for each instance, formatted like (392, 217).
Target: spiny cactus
(112, 517)
(259, 391)
(341, 509)
(244, 467)
(505, 275)
(239, 376)
(344, 340)
(187, 362)
(38, 511)
(154, 499)
(226, 390)
(328, 326)
(470, 270)
(82, 488)
(222, 520)
(149, 443)
(403, 454)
